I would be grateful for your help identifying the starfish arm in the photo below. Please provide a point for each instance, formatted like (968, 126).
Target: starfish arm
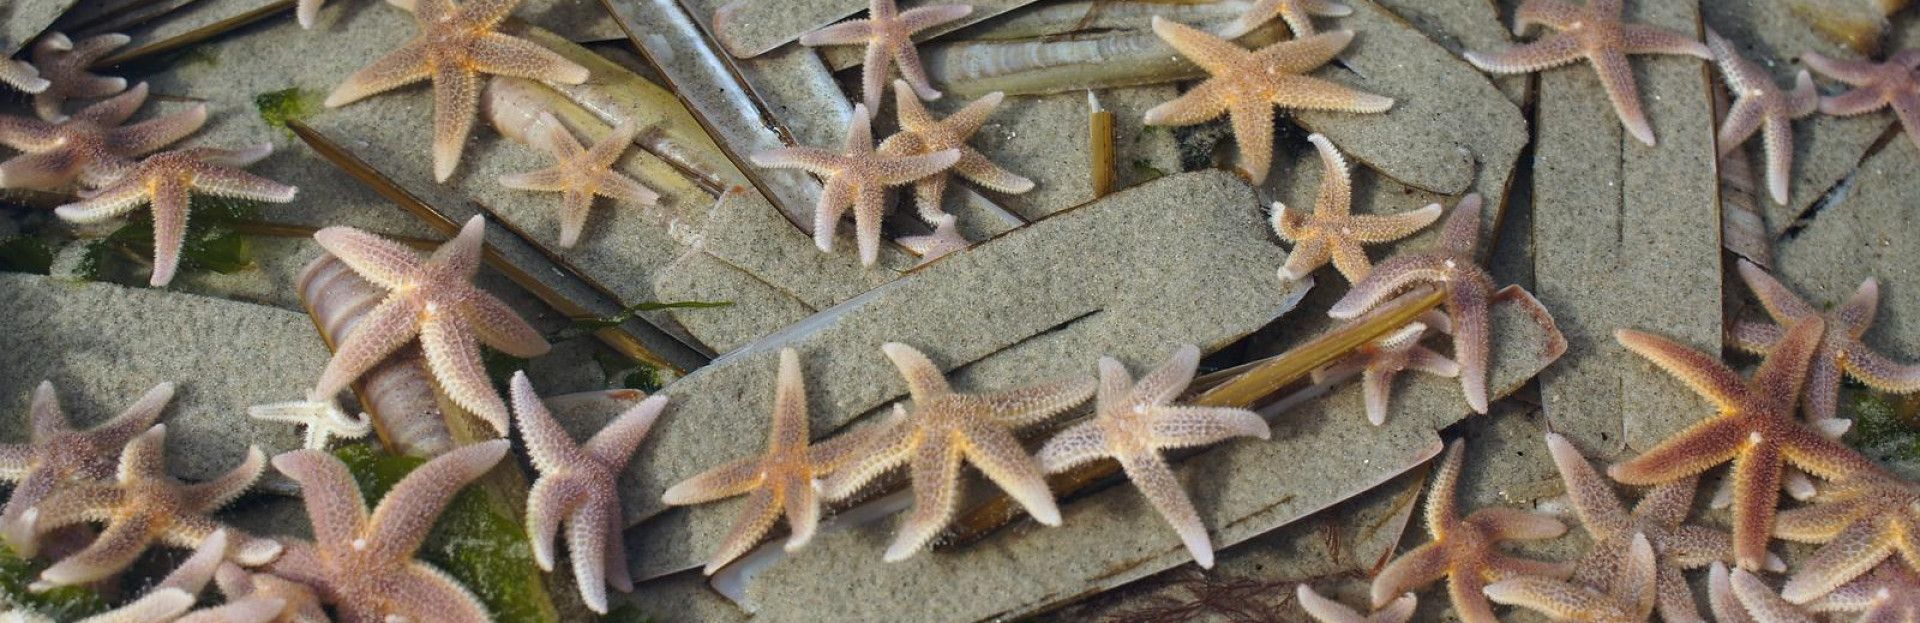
(1557, 599)
(193, 574)
(210, 495)
(587, 538)
(502, 55)
(1424, 360)
(902, 170)
(1082, 443)
(1467, 591)
(1546, 53)
(928, 193)
(26, 133)
(1781, 303)
(1879, 372)
(108, 203)
(113, 111)
(1467, 302)
(170, 200)
(1784, 372)
(1761, 602)
(1906, 107)
(970, 118)
(1187, 427)
(869, 209)
(1157, 483)
(613, 445)
(1706, 375)
(1377, 393)
(935, 472)
(1593, 498)
(619, 574)
(1674, 596)
(1822, 398)
(410, 508)
(907, 58)
(257, 610)
(916, 20)
(886, 448)
(1327, 610)
(456, 97)
(1036, 403)
(551, 179)
(405, 65)
(1818, 523)
(52, 170)
(384, 262)
(1512, 524)
(1616, 78)
(60, 508)
(757, 515)
(1756, 497)
(1702, 446)
(551, 501)
(849, 32)
(428, 594)
(802, 506)
(575, 206)
(497, 325)
(1213, 54)
(811, 159)
(551, 449)
(1754, 337)
(153, 134)
(29, 493)
(924, 380)
(1777, 134)
(1856, 313)
(1667, 503)
(159, 604)
(1349, 259)
(23, 76)
(1306, 256)
(454, 358)
(1005, 462)
(623, 189)
(1551, 13)
(1442, 511)
(1253, 131)
(1856, 102)
(333, 502)
(1742, 120)
(1644, 39)
(1410, 572)
(1302, 55)
(1854, 72)
(835, 199)
(1386, 279)
(1376, 228)
(1721, 600)
(1852, 553)
(1310, 93)
(117, 546)
(385, 329)
(1167, 382)
(718, 483)
(1204, 102)
(1804, 99)
(306, 12)
(977, 169)
(137, 418)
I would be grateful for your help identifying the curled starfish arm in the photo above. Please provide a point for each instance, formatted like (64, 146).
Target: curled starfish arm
(935, 470)
(1330, 611)
(888, 447)
(384, 262)
(110, 202)
(924, 380)
(1879, 372)
(1005, 462)
(551, 501)
(324, 420)
(1385, 280)
(408, 510)
(1762, 603)
(551, 449)
(1548, 52)
(218, 492)
(113, 550)
(22, 76)
(381, 332)
(496, 325)
(1187, 427)
(406, 65)
(1409, 572)
(1151, 476)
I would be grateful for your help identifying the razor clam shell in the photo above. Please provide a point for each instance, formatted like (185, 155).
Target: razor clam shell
(398, 394)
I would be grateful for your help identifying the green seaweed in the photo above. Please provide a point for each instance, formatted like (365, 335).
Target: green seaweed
(1883, 427)
(278, 107)
(211, 242)
(26, 254)
(67, 603)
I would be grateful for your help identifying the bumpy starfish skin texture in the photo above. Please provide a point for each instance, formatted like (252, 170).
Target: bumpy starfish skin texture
(1624, 594)
(457, 44)
(324, 420)
(945, 239)
(1298, 14)
(1755, 429)
(1760, 105)
(362, 562)
(435, 301)
(65, 64)
(888, 34)
(56, 455)
(1453, 268)
(1324, 610)
(90, 146)
(298, 603)
(1380, 361)
(1891, 594)
(1596, 34)
(857, 178)
(22, 75)
(1246, 85)
(167, 181)
(1133, 422)
(780, 480)
(582, 173)
(1331, 232)
(1841, 351)
(141, 505)
(579, 486)
(1888, 84)
(947, 429)
(175, 593)
(1862, 523)
(920, 134)
(1740, 597)
(1465, 550)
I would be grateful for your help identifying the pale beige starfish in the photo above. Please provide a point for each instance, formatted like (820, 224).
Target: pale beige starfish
(945, 239)
(1331, 232)
(858, 178)
(1760, 105)
(1246, 85)
(1596, 34)
(1329, 611)
(298, 603)
(1888, 84)
(1870, 520)
(921, 134)
(1380, 361)
(91, 146)
(1891, 594)
(55, 455)
(579, 486)
(1740, 597)
(947, 429)
(888, 34)
(582, 173)
(22, 75)
(1620, 592)
(435, 301)
(1298, 14)
(167, 180)
(324, 420)
(67, 65)
(456, 45)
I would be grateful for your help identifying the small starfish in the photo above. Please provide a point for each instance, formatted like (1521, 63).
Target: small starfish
(66, 64)
(363, 562)
(1132, 423)
(1760, 105)
(298, 603)
(1331, 232)
(324, 420)
(435, 301)
(581, 173)
(1840, 353)
(167, 181)
(1296, 13)
(141, 505)
(946, 238)
(1596, 34)
(578, 485)
(22, 75)
(1754, 429)
(858, 178)
(1324, 610)
(1379, 361)
(56, 455)
(888, 34)
(1452, 268)
(1878, 85)
(457, 43)
(1622, 593)
(1740, 597)
(1890, 595)
(947, 429)
(90, 146)
(780, 479)
(1862, 523)
(1246, 86)
(1464, 550)
(921, 134)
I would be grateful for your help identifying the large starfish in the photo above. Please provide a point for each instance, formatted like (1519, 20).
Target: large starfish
(1465, 550)
(1740, 597)
(920, 134)
(1863, 523)
(298, 603)
(1840, 353)
(888, 34)
(435, 301)
(90, 146)
(67, 66)
(1324, 610)
(1760, 105)
(1596, 34)
(858, 178)
(1133, 422)
(1298, 14)
(580, 174)
(1331, 231)
(362, 562)
(1379, 361)
(56, 455)
(1619, 592)
(780, 480)
(22, 75)
(167, 180)
(1891, 594)
(947, 429)
(141, 505)
(579, 485)
(457, 43)
(1888, 84)
(1246, 86)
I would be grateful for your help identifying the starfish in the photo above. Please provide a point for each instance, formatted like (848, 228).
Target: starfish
(362, 562)
(1331, 232)
(1740, 597)
(947, 429)
(324, 420)
(581, 173)
(91, 145)
(945, 239)
(1754, 429)
(56, 455)
(1464, 550)
(1840, 353)
(1133, 422)
(1596, 34)
(1890, 595)
(167, 181)
(65, 65)
(1877, 85)
(1379, 361)
(888, 34)
(1324, 610)
(1247, 85)
(176, 592)
(22, 75)
(1862, 523)
(921, 134)
(1621, 593)
(578, 485)
(1468, 287)
(435, 301)
(143, 504)
(1760, 105)
(457, 43)
(858, 178)
(1298, 14)
(781, 479)
(306, 12)
(297, 602)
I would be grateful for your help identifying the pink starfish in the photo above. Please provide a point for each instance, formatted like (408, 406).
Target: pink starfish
(888, 34)
(1890, 595)
(1868, 521)
(1841, 351)
(1380, 361)
(1740, 597)
(175, 593)
(298, 603)
(1619, 591)
(582, 173)
(1329, 611)
(66, 64)
(1760, 105)
(56, 455)
(1332, 233)
(920, 134)
(90, 146)
(22, 75)
(1888, 84)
